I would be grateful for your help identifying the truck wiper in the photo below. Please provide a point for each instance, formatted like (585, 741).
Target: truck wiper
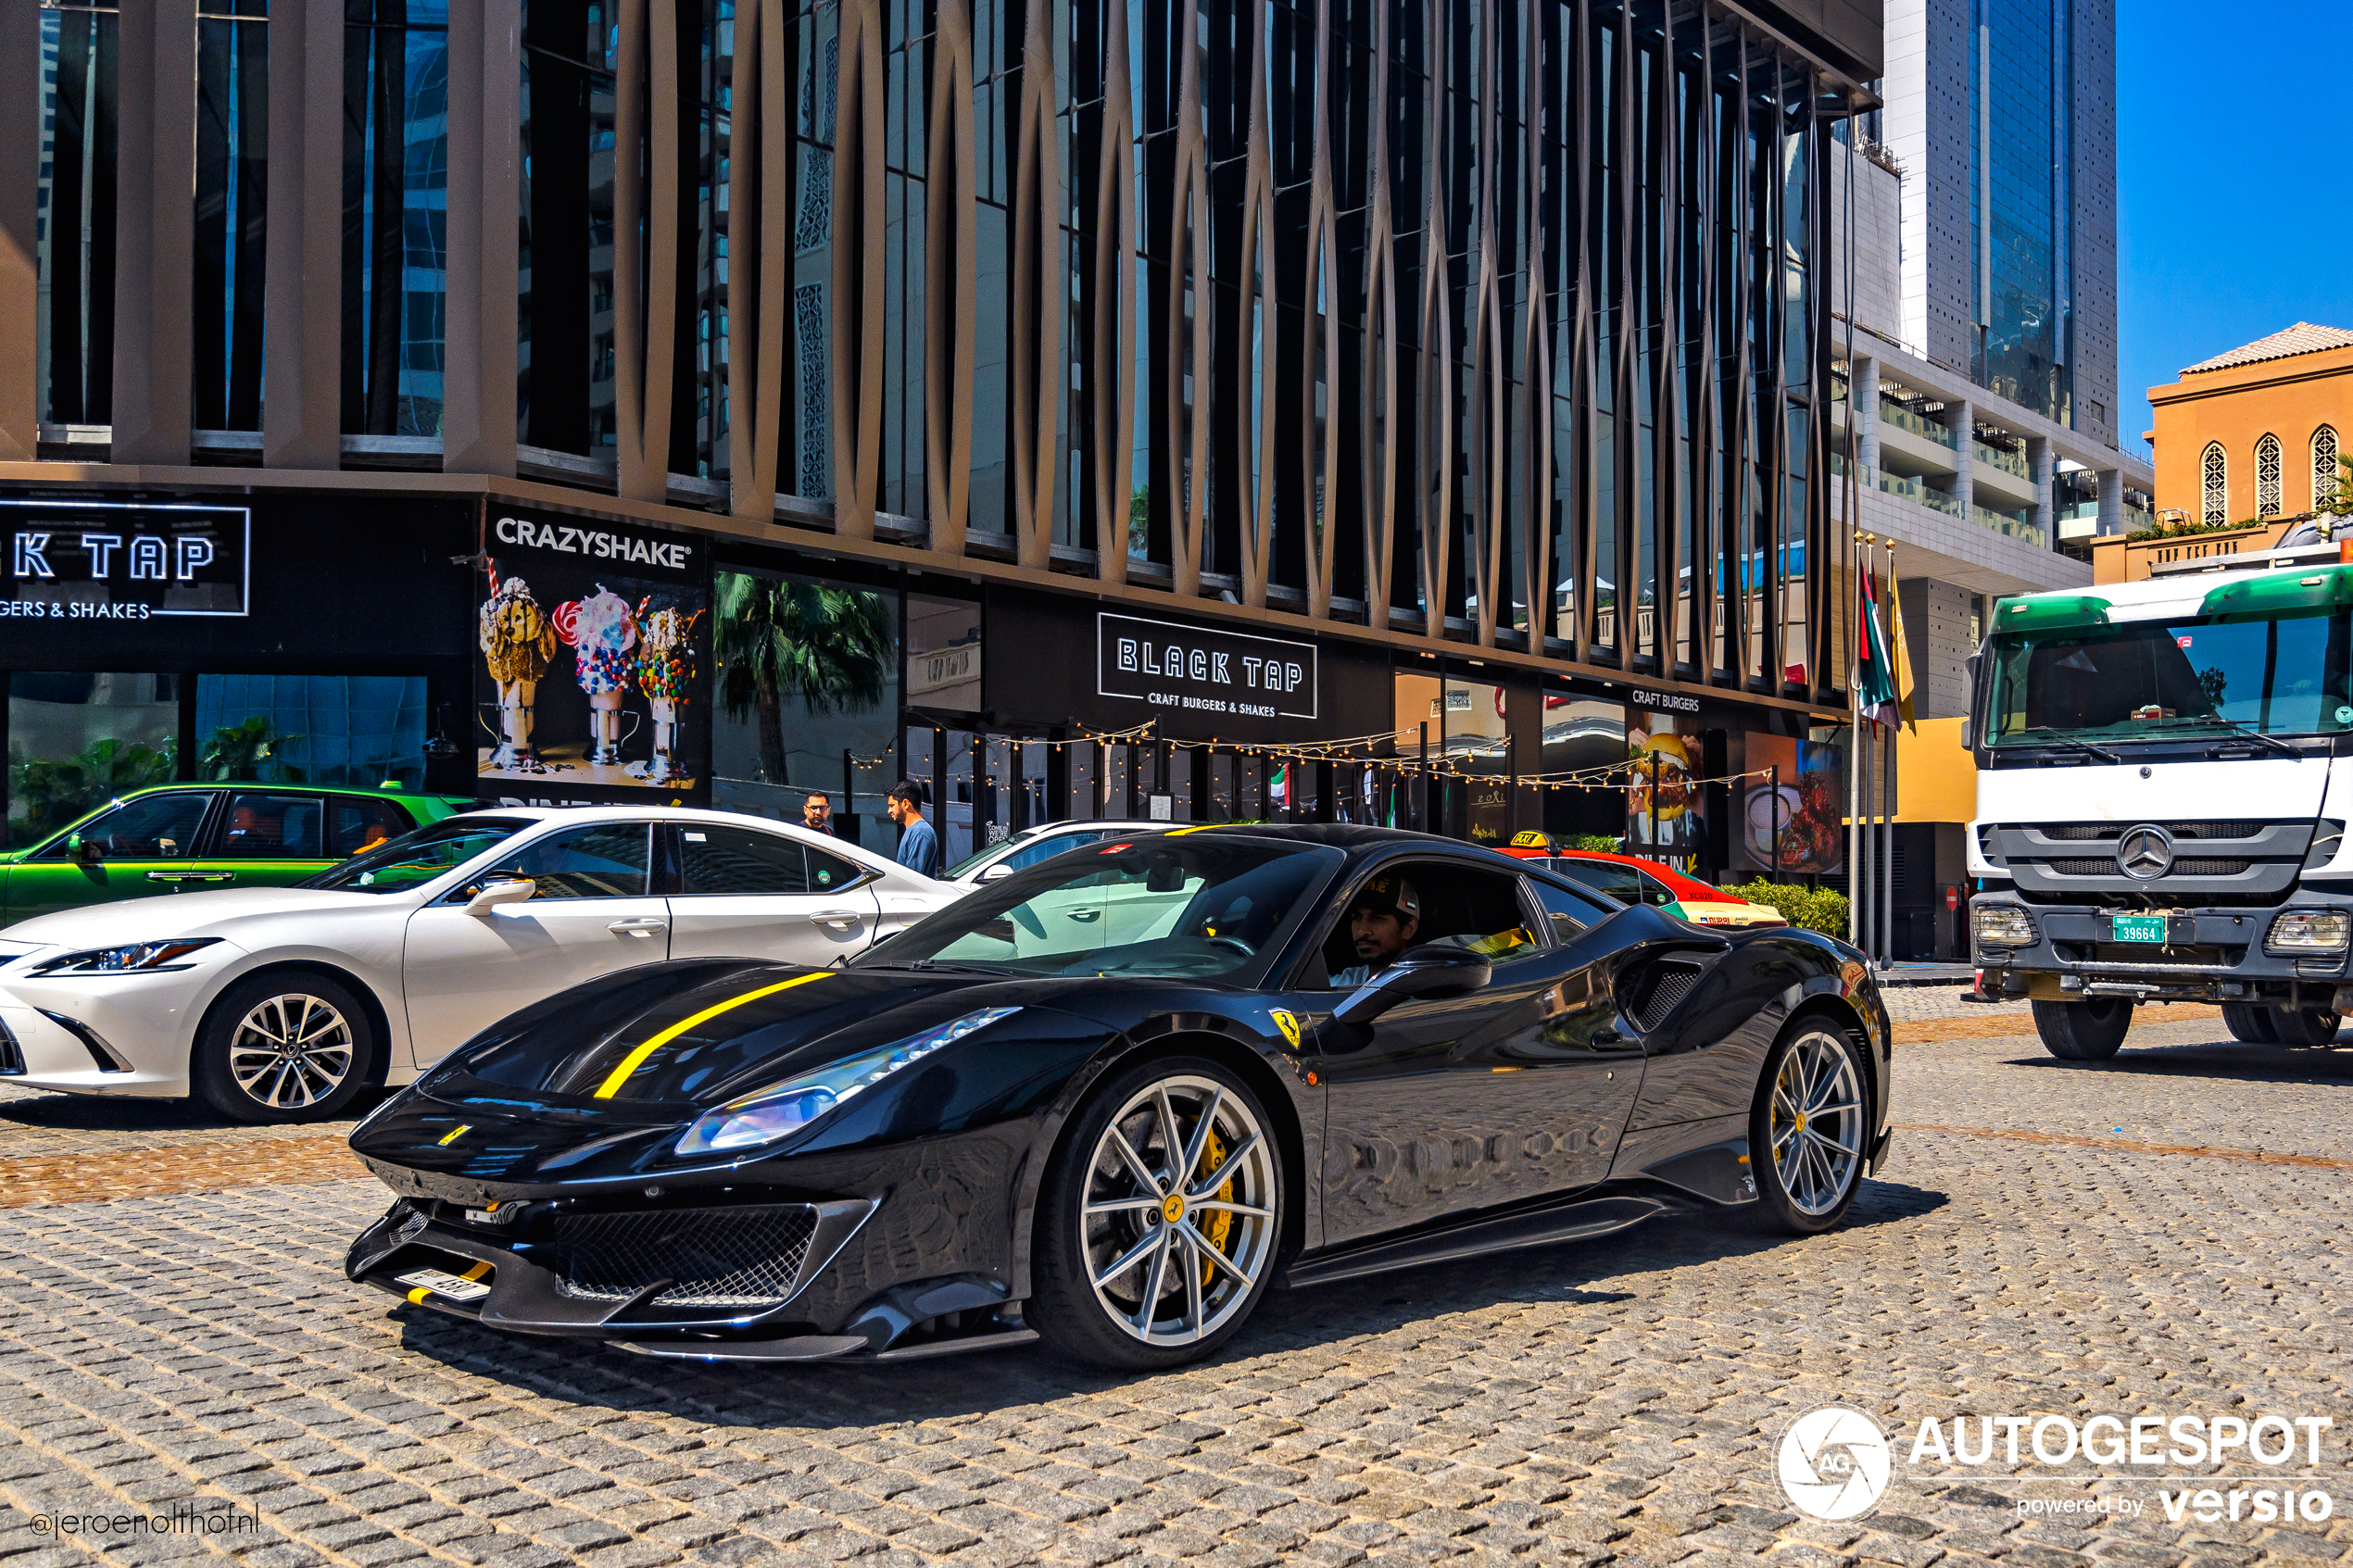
(2246, 730)
(2083, 746)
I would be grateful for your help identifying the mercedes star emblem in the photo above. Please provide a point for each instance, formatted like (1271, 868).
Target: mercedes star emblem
(2145, 852)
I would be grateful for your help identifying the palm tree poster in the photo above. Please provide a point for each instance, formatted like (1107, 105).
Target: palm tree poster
(813, 667)
(592, 666)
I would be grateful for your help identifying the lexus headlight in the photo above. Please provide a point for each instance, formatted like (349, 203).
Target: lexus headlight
(134, 958)
(2309, 931)
(783, 1108)
(2002, 925)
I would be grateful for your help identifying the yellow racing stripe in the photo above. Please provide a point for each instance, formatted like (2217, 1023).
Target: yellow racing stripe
(636, 1058)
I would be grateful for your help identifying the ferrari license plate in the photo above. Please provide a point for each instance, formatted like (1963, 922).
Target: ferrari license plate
(2136, 928)
(442, 1284)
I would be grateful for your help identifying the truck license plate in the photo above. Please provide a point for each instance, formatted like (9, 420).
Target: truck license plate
(2137, 928)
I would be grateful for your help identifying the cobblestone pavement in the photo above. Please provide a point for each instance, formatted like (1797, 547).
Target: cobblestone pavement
(1615, 1400)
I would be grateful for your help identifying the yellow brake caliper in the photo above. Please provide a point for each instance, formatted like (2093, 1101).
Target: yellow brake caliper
(1221, 1220)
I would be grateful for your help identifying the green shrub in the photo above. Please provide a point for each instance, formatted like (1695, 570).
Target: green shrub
(1815, 908)
(1601, 843)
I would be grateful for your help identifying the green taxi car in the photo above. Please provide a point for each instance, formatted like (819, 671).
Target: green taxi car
(193, 835)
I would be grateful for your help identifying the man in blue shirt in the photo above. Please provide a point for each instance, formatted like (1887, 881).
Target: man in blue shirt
(918, 845)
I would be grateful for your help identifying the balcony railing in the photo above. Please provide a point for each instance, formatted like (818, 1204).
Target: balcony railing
(2013, 527)
(1913, 490)
(1918, 424)
(2011, 462)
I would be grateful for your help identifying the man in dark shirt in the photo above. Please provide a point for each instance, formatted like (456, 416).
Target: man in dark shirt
(918, 845)
(817, 813)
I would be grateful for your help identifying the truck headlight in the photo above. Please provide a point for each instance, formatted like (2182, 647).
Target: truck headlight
(2002, 925)
(2309, 931)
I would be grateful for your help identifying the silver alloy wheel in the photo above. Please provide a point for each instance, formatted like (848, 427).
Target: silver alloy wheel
(1817, 1122)
(291, 1051)
(1177, 1220)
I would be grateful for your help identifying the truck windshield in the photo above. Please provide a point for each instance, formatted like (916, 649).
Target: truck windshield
(2150, 680)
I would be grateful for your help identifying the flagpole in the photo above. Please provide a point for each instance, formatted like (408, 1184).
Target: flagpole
(1855, 758)
(1888, 774)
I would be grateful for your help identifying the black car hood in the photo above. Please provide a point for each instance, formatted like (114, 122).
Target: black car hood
(595, 1086)
(670, 1040)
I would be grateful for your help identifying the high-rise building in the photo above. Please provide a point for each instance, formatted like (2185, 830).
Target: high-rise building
(1976, 340)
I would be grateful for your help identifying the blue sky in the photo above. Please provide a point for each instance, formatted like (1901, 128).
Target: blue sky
(2231, 147)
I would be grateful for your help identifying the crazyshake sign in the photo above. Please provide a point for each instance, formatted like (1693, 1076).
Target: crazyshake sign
(1195, 669)
(123, 561)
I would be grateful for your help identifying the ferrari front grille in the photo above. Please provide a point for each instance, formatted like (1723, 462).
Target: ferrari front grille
(746, 1257)
(11, 1055)
(1657, 990)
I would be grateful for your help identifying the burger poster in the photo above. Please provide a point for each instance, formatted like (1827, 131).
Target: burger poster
(1665, 810)
(592, 640)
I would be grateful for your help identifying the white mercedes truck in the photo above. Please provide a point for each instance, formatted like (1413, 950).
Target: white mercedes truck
(2160, 805)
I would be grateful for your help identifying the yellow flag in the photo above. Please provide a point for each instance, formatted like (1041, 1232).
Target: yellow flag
(1903, 658)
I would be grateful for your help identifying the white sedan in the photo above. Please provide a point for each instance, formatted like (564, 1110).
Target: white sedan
(283, 1004)
(1030, 845)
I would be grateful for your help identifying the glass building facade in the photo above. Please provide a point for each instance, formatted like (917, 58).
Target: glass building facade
(2021, 201)
(1480, 328)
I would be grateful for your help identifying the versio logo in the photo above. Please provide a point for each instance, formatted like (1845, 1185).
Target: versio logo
(1835, 1463)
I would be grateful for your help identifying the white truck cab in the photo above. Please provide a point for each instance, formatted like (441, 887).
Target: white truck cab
(2165, 773)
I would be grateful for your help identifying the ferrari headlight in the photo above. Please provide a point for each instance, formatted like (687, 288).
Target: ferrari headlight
(2309, 931)
(783, 1108)
(2002, 925)
(127, 960)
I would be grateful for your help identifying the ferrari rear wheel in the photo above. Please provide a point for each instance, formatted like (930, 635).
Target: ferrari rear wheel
(1157, 1227)
(1809, 1128)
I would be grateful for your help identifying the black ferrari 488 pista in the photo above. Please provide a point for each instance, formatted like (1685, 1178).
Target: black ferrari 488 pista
(1111, 1099)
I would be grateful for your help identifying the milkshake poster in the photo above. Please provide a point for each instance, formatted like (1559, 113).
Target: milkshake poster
(592, 680)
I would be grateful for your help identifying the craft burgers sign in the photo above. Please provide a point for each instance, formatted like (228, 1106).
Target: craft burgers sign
(1195, 670)
(108, 560)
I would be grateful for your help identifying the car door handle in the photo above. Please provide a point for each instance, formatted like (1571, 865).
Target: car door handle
(192, 877)
(836, 917)
(648, 922)
(1086, 914)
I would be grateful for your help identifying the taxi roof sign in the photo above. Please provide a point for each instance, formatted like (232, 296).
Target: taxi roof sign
(1528, 838)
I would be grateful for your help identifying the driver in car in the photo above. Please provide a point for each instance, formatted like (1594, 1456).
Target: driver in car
(1381, 923)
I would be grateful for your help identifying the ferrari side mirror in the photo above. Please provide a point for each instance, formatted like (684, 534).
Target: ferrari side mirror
(500, 890)
(1432, 971)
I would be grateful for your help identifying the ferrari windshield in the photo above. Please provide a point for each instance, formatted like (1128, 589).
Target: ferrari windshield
(418, 857)
(2147, 680)
(1182, 906)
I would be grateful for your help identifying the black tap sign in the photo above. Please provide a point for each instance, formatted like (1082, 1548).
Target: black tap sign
(1188, 669)
(86, 561)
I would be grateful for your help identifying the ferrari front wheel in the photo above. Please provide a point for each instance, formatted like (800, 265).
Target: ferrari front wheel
(1808, 1128)
(1158, 1223)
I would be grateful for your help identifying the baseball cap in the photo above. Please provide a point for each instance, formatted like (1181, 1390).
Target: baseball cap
(1389, 894)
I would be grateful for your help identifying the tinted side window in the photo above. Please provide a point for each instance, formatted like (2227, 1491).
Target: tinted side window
(1045, 848)
(271, 827)
(356, 825)
(609, 860)
(828, 872)
(1605, 877)
(1654, 892)
(717, 859)
(1569, 913)
(162, 827)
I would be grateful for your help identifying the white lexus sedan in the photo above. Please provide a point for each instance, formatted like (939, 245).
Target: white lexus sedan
(283, 1004)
